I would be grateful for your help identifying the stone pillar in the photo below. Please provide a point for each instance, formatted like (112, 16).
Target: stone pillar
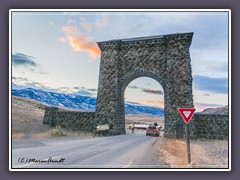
(178, 90)
(108, 87)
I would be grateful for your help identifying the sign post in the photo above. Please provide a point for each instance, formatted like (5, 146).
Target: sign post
(187, 114)
(188, 144)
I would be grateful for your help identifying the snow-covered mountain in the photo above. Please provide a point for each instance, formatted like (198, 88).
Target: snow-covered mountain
(140, 109)
(218, 110)
(78, 101)
(57, 99)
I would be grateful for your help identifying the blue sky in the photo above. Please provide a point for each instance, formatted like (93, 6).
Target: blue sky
(58, 51)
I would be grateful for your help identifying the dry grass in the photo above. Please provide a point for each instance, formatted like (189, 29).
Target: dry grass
(40, 135)
(173, 152)
(204, 154)
(17, 135)
(27, 116)
(78, 133)
(56, 133)
(50, 133)
(60, 133)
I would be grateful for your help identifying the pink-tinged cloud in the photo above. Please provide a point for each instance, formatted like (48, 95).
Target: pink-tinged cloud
(69, 29)
(62, 39)
(86, 26)
(153, 103)
(79, 42)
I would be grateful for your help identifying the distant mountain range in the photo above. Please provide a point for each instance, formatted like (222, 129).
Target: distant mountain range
(87, 103)
(218, 110)
(76, 101)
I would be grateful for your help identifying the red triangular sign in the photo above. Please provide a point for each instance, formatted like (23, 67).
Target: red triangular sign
(186, 113)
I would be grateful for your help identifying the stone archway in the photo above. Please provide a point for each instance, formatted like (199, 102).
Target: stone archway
(165, 58)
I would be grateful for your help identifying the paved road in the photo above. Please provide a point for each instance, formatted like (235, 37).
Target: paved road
(125, 151)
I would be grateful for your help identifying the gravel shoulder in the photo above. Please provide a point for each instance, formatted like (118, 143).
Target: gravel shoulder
(204, 153)
(210, 153)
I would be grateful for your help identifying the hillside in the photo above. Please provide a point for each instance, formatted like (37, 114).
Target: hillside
(27, 116)
(218, 110)
(142, 118)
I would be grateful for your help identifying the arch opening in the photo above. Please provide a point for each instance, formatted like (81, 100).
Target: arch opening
(143, 104)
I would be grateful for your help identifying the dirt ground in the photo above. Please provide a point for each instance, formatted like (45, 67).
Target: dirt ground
(204, 153)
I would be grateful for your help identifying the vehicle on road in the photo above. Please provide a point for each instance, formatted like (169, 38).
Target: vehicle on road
(152, 130)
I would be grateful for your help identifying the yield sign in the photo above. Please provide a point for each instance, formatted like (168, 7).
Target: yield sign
(186, 113)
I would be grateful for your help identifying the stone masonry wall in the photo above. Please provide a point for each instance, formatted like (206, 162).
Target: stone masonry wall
(207, 126)
(211, 126)
(70, 120)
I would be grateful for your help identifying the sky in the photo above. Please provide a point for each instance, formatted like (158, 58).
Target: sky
(58, 51)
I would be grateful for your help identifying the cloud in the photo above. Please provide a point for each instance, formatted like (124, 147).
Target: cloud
(62, 39)
(132, 102)
(147, 103)
(27, 83)
(152, 91)
(134, 87)
(206, 94)
(136, 24)
(37, 85)
(51, 23)
(93, 90)
(85, 25)
(153, 103)
(101, 22)
(216, 85)
(210, 62)
(80, 42)
(43, 73)
(84, 91)
(19, 59)
(26, 61)
(20, 80)
(79, 34)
